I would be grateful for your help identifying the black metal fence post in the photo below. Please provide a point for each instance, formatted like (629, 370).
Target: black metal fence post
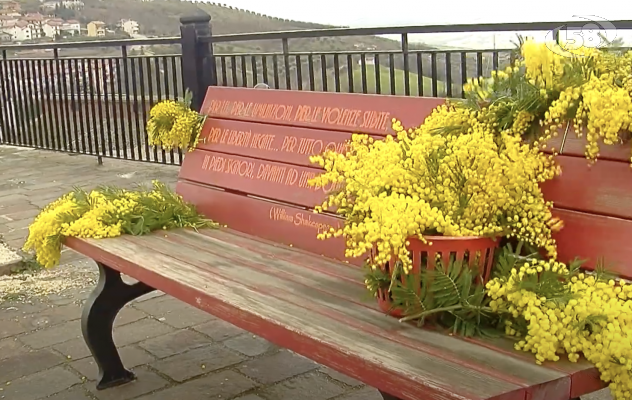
(198, 62)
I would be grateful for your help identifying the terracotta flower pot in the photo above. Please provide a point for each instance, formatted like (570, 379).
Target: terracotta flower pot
(423, 256)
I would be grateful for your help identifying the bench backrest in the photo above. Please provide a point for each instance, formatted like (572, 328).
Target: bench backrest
(251, 171)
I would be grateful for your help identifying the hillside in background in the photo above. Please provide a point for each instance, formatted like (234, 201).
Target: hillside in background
(161, 18)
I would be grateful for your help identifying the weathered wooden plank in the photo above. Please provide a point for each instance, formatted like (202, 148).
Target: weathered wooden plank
(344, 112)
(232, 243)
(574, 146)
(292, 254)
(381, 363)
(342, 296)
(584, 376)
(279, 143)
(281, 223)
(604, 188)
(592, 237)
(277, 181)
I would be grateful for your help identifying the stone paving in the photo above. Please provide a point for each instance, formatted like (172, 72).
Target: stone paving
(176, 350)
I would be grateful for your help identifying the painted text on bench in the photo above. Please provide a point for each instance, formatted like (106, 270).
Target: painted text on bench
(258, 170)
(334, 116)
(269, 142)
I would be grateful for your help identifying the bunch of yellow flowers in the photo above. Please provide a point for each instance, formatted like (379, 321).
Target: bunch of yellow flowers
(427, 183)
(173, 124)
(585, 314)
(551, 86)
(106, 213)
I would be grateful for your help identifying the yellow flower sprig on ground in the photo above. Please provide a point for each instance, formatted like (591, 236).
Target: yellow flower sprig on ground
(108, 212)
(173, 124)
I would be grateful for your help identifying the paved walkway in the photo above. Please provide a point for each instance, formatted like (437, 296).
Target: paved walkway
(176, 350)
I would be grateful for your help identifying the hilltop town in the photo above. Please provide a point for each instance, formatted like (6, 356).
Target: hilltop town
(19, 25)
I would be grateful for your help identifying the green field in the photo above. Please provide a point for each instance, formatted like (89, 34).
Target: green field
(385, 82)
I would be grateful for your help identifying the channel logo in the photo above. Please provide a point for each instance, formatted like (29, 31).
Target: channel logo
(595, 33)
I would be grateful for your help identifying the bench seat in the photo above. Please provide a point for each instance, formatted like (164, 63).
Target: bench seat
(313, 306)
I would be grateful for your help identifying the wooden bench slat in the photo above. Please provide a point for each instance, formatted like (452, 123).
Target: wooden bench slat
(277, 222)
(349, 292)
(343, 112)
(273, 180)
(363, 355)
(589, 236)
(603, 189)
(306, 259)
(574, 146)
(585, 378)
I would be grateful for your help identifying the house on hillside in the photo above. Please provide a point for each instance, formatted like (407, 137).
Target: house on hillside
(10, 6)
(7, 19)
(5, 37)
(20, 31)
(129, 26)
(52, 27)
(71, 27)
(368, 59)
(50, 5)
(73, 4)
(33, 18)
(96, 29)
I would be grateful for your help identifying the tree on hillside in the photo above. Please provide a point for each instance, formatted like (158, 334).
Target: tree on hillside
(63, 12)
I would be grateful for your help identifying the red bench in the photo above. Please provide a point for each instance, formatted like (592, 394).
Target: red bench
(268, 274)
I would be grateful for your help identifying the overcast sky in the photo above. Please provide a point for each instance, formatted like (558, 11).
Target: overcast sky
(418, 12)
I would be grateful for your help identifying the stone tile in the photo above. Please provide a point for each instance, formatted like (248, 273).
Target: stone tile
(74, 393)
(128, 315)
(131, 356)
(11, 309)
(250, 397)
(146, 382)
(333, 374)
(53, 335)
(249, 344)
(11, 347)
(221, 385)
(12, 199)
(74, 349)
(149, 296)
(367, 393)
(17, 208)
(197, 362)
(140, 330)
(306, 387)
(19, 223)
(277, 367)
(28, 363)
(219, 330)
(52, 316)
(10, 328)
(24, 214)
(174, 343)
(175, 312)
(41, 384)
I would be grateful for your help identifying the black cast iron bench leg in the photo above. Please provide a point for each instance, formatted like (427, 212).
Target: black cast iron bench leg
(387, 396)
(97, 321)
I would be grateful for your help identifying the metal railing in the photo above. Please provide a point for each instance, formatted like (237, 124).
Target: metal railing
(98, 103)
